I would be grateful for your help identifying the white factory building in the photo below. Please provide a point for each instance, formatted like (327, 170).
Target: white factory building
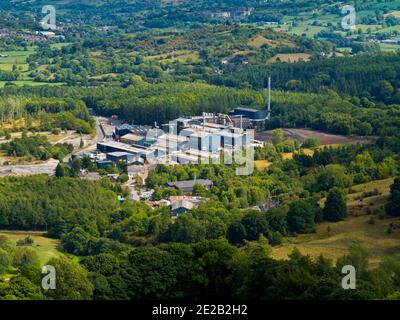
(184, 140)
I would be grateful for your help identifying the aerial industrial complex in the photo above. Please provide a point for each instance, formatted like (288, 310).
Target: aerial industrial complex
(186, 140)
(197, 139)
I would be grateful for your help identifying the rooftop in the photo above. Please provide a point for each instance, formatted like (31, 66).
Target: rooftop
(201, 153)
(104, 161)
(187, 198)
(172, 138)
(189, 184)
(124, 126)
(140, 130)
(215, 125)
(124, 147)
(133, 137)
(230, 134)
(119, 154)
(187, 132)
(247, 109)
(200, 134)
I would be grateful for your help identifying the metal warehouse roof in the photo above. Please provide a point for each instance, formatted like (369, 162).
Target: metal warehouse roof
(190, 183)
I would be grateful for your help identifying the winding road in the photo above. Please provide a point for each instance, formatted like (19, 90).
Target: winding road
(93, 144)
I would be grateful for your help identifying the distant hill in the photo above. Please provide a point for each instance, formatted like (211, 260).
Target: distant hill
(178, 13)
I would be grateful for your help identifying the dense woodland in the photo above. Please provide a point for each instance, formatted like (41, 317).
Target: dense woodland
(144, 103)
(128, 247)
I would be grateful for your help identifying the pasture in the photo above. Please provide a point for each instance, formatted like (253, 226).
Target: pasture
(15, 58)
(290, 57)
(258, 41)
(181, 55)
(262, 164)
(323, 138)
(45, 248)
(333, 239)
(21, 83)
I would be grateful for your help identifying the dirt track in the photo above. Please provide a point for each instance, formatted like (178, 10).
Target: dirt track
(323, 138)
(47, 167)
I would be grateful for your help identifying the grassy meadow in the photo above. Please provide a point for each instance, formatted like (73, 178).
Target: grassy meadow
(46, 248)
(19, 60)
(365, 225)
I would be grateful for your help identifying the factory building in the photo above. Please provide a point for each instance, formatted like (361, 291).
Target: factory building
(120, 157)
(189, 140)
(177, 125)
(125, 129)
(132, 139)
(113, 146)
(253, 115)
(102, 164)
(231, 140)
(204, 141)
(168, 144)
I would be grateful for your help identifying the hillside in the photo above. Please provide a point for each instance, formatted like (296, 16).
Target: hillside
(176, 150)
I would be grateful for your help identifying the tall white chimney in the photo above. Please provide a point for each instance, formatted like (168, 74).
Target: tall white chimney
(269, 98)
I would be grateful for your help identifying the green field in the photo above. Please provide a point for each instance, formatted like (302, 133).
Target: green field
(304, 21)
(389, 47)
(394, 14)
(333, 242)
(358, 205)
(60, 45)
(9, 67)
(18, 59)
(21, 83)
(180, 55)
(46, 248)
(290, 57)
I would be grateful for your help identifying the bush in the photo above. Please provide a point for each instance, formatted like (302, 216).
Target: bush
(123, 178)
(310, 143)
(28, 241)
(301, 216)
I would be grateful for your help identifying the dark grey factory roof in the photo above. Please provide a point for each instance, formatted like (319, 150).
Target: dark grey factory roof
(134, 129)
(124, 126)
(190, 183)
